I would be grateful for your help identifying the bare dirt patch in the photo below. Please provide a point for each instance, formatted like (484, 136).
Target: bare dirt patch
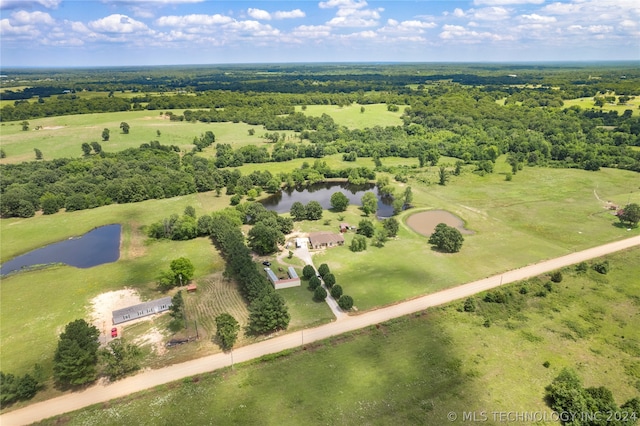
(425, 222)
(51, 127)
(104, 304)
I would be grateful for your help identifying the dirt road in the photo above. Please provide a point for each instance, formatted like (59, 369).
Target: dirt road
(100, 393)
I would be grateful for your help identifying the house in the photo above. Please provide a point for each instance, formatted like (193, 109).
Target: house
(320, 240)
(292, 281)
(142, 310)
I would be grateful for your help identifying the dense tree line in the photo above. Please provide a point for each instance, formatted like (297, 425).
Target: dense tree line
(267, 309)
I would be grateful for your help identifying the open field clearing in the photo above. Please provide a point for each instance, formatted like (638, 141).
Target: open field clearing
(420, 368)
(63, 136)
(588, 103)
(351, 116)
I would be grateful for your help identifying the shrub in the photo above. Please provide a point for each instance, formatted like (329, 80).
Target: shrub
(556, 277)
(336, 291)
(581, 267)
(548, 286)
(601, 267)
(546, 364)
(345, 302)
(359, 243)
(308, 272)
(319, 294)
(470, 305)
(323, 269)
(314, 282)
(329, 280)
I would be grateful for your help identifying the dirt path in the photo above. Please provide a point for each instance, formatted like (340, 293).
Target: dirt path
(101, 392)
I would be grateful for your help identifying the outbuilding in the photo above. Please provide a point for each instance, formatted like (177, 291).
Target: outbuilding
(142, 310)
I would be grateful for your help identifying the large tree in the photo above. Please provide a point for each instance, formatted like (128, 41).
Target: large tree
(339, 201)
(392, 226)
(369, 203)
(120, 358)
(76, 358)
(446, 238)
(264, 239)
(298, 211)
(226, 330)
(268, 314)
(630, 214)
(124, 127)
(314, 210)
(182, 270)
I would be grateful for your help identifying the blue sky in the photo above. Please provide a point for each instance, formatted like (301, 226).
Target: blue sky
(162, 32)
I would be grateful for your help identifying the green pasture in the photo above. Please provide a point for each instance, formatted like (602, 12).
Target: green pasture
(334, 161)
(351, 117)
(62, 136)
(588, 103)
(540, 214)
(419, 369)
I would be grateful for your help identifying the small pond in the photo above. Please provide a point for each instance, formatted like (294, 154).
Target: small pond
(281, 201)
(425, 222)
(101, 245)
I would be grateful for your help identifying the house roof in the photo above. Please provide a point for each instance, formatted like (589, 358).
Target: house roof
(320, 238)
(292, 272)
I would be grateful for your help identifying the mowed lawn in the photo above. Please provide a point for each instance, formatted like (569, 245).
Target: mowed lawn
(421, 368)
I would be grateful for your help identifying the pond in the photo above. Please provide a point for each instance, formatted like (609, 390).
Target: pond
(425, 222)
(101, 245)
(281, 201)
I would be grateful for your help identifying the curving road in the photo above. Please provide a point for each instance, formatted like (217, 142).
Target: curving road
(104, 392)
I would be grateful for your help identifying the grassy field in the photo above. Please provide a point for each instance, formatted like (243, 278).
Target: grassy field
(418, 369)
(588, 103)
(351, 117)
(63, 136)
(541, 214)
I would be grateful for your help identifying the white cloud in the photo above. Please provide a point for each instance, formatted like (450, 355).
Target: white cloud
(534, 17)
(491, 14)
(505, 2)
(193, 20)
(281, 14)
(312, 31)
(349, 4)
(6, 28)
(12, 4)
(461, 34)
(259, 14)
(411, 26)
(458, 13)
(117, 23)
(290, 14)
(32, 18)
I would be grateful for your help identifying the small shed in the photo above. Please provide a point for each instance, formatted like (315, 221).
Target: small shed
(344, 227)
(302, 242)
(141, 310)
(192, 288)
(292, 281)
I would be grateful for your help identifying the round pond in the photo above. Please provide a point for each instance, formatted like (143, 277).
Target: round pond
(425, 222)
